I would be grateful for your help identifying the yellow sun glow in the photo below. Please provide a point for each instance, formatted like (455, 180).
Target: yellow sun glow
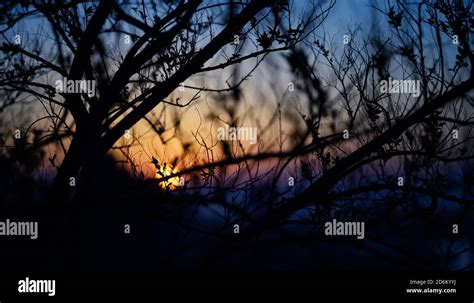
(171, 183)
